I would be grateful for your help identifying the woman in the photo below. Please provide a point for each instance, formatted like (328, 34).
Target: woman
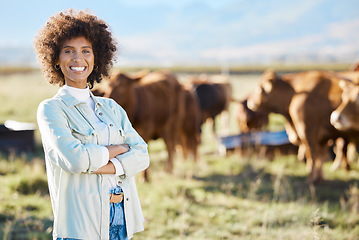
(91, 150)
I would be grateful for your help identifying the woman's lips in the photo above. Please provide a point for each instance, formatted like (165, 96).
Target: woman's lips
(78, 69)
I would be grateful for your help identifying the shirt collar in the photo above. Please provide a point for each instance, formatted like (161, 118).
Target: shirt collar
(80, 94)
(70, 100)
(95, 99)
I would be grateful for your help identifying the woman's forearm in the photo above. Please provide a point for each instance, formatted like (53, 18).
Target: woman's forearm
(109, 168)
(115, 150)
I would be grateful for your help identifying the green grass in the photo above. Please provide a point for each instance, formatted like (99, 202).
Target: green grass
(22, 93)
(219, 197)
(237, 197)
(232, 197)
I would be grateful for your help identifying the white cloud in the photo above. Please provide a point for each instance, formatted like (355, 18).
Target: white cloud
(345, 31)
(155, 45)
(338, 39)
(211, 30)
(270, 49)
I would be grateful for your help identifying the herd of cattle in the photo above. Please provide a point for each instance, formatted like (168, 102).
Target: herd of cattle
(320, 107)
(159, 106)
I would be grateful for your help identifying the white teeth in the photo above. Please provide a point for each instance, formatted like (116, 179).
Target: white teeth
(77, 68)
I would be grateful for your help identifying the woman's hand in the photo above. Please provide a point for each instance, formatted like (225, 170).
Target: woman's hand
(115, 150)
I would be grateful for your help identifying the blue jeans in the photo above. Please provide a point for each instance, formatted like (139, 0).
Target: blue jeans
(117, 220)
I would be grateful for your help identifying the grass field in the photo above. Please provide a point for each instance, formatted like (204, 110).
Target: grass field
(221, 197)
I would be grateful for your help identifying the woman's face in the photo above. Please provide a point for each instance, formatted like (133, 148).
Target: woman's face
(76, 61)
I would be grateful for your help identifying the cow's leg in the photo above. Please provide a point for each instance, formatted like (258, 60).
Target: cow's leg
(309, 133)
(185, 144)
(171, 150)
(308, 150)
(313, 161)
(301, 152)
(146, 175)
(170, 141)
(212, 121)
(345, 164)
(341, 159)
(316, 154)
(319, 157)
(195, 141)
(292, 133)
(295, 140)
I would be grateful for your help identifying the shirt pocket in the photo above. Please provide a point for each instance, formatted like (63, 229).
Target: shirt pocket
(120, 136)
(85, 136)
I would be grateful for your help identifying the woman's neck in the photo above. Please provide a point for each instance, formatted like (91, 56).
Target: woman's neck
(81, 94)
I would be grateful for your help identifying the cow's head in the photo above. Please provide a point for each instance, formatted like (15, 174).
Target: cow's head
(354, 67)
(120, 87)
(250, 120)
(346, 116)
(263, 93)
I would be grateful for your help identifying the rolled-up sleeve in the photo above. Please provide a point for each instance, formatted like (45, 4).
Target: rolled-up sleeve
(61, 147)
(136, 159)
(118, 167)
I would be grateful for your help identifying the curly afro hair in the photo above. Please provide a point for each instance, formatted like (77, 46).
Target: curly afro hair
(67, 25)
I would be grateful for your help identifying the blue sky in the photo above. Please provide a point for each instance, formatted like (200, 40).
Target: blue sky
(161, 32)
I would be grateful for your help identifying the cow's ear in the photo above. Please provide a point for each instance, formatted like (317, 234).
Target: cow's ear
(140, 74)
(269, 75)
(267, 86)
(136, 79)
(268, 78)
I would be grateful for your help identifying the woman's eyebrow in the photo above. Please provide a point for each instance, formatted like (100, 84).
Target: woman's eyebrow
(74, 47)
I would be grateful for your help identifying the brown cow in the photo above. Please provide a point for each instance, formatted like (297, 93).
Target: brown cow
(191, 125)
(98, 92)
(354, 67)
(249, 120)
(214, 97)
(306, 100)
(346, 116)
(154, 104)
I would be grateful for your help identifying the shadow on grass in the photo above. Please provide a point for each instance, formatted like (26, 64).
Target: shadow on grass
(259, 185)
(12, 227)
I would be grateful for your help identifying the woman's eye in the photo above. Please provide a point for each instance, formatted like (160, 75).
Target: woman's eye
(85, 51)
(68, 51)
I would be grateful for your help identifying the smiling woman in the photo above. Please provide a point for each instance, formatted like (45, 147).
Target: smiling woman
(76, 61)
(65, 26)
(92, 152)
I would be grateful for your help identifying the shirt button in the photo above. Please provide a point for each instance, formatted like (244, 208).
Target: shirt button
(127, 199)
(119, 182)
(111, 125)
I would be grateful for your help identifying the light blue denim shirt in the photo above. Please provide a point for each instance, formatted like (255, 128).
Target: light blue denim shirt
(80, 199)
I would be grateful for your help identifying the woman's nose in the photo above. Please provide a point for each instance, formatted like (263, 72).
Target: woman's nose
(77, 57)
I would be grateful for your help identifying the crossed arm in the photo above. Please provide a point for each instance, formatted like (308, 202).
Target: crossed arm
(70, 154)
(113, 150)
